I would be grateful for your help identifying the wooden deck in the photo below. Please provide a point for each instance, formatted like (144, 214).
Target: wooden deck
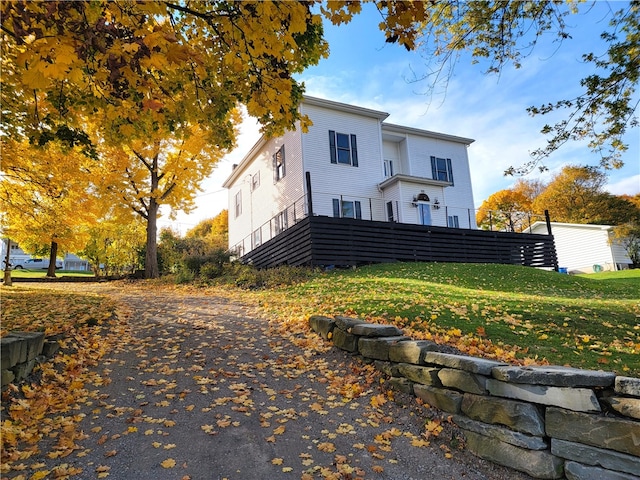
(323, 241)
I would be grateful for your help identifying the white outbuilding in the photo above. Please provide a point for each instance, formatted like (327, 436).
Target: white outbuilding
(585, 248)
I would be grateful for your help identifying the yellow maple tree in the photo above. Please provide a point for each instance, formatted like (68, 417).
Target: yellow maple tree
(46, 197)
(155, 87)
(64, 62)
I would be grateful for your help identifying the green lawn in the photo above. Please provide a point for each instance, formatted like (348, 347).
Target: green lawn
(41, 273)
(498, 311)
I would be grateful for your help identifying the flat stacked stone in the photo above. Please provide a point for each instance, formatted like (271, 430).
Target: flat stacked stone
(551, 385)
(342, 336)
(412, 351)
(441, 398)
(322, 325)
(537, 463)
(594, 456)
(519, 416)
(462, 362)
(611, 433)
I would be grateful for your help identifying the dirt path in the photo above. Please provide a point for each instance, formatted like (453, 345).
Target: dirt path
(201, 389)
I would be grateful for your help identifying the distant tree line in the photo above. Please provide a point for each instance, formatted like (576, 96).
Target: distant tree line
(575, 195)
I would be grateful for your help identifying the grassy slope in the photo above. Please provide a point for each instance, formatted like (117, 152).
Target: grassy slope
(515, 313)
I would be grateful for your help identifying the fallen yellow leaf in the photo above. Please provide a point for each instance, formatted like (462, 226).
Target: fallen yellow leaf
(326, 447)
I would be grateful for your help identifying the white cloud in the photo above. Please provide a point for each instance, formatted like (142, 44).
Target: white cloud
(625, 186)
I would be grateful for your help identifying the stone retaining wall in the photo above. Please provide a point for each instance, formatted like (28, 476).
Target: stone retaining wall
(548, 421)
(20, 351)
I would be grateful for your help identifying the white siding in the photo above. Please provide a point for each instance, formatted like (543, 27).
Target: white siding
(329, 180)
(391, 151)
(456, 199)
(261, 205)
(620, 256)
(404, 192)
(580, 247)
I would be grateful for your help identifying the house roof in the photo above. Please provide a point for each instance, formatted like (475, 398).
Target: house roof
(386, 127)
(409, 178)
(238, 169)
(344, 107)
(571, 225)
(402, 130)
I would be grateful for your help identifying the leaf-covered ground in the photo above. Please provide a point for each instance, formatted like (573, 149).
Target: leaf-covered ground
(162, 383)
(46, 410)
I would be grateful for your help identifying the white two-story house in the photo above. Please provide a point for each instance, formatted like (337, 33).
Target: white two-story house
(350, 164)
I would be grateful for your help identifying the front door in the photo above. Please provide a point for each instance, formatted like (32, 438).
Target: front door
(424, 210)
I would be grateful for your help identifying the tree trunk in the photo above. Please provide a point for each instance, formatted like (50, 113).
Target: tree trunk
(51, 271)
(7, 265)
(151, 256)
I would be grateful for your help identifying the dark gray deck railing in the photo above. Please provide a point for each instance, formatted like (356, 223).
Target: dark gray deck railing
(374, 209)
(322, 241)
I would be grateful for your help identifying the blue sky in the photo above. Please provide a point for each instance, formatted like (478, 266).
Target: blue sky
(364, 70)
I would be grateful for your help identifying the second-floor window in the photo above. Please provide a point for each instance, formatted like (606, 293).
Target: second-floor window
(255, 181)
(343, 148)
(238, 204)
(388, 168)
(441, 169)
(278, 164)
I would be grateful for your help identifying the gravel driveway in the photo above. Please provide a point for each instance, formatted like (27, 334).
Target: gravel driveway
(202, 389)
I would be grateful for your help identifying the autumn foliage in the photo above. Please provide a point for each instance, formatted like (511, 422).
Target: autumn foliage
(574, 195)
(44, 409)
(152, 91)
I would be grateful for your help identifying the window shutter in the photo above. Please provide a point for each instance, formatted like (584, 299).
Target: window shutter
(336, 208)
(332, 146)
(284, 163)
(358, 209)
(275, 167)
(434, 171)
(354, 151)
(449, 170)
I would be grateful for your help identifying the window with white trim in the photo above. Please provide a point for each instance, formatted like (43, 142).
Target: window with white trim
(257, 238)
(453, 221)
(238, 204)
(255, 181)
(441, 169)
(343, 148)
(390, 216)
(347, 208)
(388, 168)
(279, 170)
(281, 222)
